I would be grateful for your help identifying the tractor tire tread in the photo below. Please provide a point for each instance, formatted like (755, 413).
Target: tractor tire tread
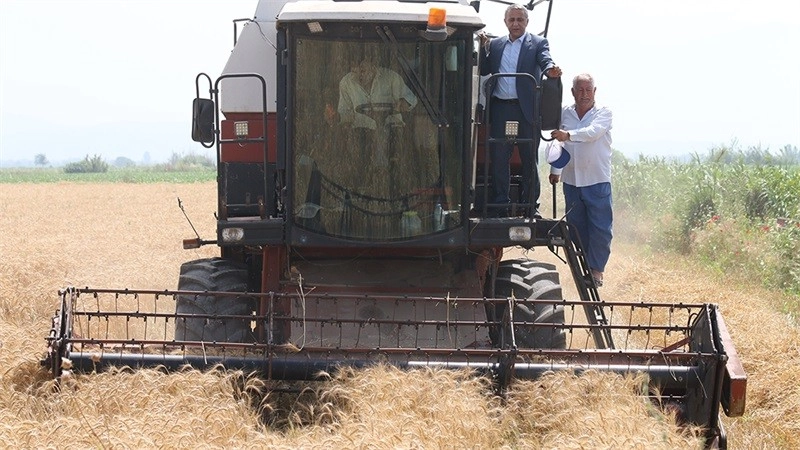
(526, 279)
(209, 275)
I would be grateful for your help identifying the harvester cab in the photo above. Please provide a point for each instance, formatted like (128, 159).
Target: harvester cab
(352, 229)
(365, 180)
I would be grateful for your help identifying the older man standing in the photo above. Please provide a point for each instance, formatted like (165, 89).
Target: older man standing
(513, 99)
(586, 134)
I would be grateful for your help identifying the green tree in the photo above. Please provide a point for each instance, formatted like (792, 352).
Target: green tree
(122, 161)
(41, 159)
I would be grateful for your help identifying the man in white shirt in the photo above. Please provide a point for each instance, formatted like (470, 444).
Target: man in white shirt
(367, 85)
(586, 134)
(371, 101)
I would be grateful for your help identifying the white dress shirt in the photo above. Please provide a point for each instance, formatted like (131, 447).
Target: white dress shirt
(387, 87)
(589, 146)
(507, 86)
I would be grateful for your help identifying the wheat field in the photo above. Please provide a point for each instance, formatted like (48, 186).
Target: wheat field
(129, 235)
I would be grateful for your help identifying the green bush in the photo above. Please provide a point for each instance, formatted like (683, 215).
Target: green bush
(735, 210)
(95, 164)
(192, 161)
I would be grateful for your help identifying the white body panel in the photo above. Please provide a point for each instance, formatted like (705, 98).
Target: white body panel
(458, 12)
(254, 53)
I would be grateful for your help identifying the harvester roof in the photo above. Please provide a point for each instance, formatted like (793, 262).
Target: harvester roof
(458, 12)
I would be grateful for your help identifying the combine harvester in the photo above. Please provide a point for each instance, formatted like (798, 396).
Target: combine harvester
(347, 246)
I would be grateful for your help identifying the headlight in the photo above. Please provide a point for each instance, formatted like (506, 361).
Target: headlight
(519, 234)
(232, 234)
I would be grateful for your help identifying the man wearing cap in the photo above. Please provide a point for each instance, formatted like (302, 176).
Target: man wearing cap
(513, 99)
(586, 135)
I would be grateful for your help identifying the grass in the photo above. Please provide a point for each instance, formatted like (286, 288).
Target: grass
(156, 174)
(736, 215)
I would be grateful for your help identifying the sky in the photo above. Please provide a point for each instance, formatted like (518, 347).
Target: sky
(116, 77)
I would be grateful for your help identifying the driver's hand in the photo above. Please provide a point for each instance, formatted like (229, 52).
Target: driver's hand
(330, 114)
(402, 106)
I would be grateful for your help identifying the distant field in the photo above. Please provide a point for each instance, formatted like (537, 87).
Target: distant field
(130, 175)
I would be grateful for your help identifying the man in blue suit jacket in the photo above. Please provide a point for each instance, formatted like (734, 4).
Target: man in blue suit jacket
(514, 99)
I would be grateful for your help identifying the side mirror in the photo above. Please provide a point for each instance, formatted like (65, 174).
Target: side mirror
(203, 110)
(551, 103)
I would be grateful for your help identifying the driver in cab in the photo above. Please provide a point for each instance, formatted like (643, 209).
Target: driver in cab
(369, 94)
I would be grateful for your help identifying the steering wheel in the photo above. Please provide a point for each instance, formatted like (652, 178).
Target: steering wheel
(370, 109)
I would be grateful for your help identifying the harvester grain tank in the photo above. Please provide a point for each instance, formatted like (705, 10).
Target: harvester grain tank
(355, 232)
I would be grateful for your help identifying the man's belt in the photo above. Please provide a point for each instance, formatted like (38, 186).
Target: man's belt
(511, 101)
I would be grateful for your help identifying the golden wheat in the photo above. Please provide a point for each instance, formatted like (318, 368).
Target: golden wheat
(124, 235)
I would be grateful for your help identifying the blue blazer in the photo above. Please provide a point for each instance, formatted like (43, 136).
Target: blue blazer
(534, 59)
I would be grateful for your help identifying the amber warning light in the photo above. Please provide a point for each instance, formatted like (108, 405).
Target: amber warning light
(437, 25)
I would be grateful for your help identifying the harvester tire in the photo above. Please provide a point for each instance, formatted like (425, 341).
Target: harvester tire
(220, 275)
(532, 280)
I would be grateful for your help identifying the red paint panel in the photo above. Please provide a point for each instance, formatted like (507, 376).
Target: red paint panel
(250, 152)
(516, 162)
(273, 260)
(734, 384)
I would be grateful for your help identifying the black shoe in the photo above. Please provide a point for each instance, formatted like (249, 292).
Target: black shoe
(524, 212)
(536, 214)
(597, 277)
(592, 281)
